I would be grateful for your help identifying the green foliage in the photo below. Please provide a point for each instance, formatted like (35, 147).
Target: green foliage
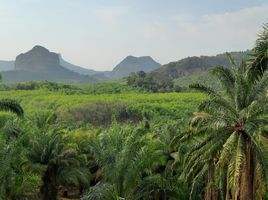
(259, 57)
(203, 77)
(16, 177)
(11, 106)
(78, 110)
(107, 87)
(127, 172)
(62, 164)
(148, 83)
(46, 85)
(114, 141)
(194, 66)
(226, 133)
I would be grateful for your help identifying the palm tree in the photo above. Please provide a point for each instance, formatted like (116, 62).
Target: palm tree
(16, 180)
(13, 173)
(125, 156)
(62, 165)
(135, 163)
(163, 182)
(259, 58)
(228, 146)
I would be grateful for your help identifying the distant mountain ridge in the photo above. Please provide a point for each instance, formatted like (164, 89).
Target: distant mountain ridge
(41, 64)
(76, 68)
(195, 65)
(7, 65)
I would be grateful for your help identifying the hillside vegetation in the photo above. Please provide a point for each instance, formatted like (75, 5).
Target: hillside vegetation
(196, 65)
(117, 141)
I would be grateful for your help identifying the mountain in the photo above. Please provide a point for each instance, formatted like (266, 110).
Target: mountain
(10, 65)
(7, 65)
(194, 65)
(134, 64)
(76, 68)
(41, 64)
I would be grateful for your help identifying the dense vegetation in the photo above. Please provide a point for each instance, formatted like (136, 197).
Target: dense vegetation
(148, 83)
(177, 76)
(111, 141)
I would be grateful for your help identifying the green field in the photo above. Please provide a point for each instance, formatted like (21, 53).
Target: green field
(99, 107)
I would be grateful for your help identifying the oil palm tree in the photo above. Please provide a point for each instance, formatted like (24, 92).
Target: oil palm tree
(125, 156)
(228, 144)
(164, 183)
(259, 57)
(61, 163)
(16, 179)
(13, 173)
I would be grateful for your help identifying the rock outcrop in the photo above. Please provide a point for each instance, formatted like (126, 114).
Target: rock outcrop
(134, 64)
(40, 64)
(37, 59)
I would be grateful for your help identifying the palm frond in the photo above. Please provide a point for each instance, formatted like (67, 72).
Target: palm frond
(11, 106)
(226, 77)
(204, 89)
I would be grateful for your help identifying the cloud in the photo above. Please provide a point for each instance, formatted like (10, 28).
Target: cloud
(179, 36)
(111, 15)
(233, 30)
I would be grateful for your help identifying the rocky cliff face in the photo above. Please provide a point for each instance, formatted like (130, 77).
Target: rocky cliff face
(37, 59)
(40, 64)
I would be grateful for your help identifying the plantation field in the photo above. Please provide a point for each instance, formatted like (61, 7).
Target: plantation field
(102, 109)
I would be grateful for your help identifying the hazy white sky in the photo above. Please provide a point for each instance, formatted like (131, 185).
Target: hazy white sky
(98, 34)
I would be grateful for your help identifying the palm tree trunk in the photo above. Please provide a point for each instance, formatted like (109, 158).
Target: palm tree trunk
(227, 197)
(246, 184)
(212, 192)
(49, 189)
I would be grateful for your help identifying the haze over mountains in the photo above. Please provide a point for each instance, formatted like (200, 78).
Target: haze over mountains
(76, 68)
(134, 64)
(7, 65)
(41, 64)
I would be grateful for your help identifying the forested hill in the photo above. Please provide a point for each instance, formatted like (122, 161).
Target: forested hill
(194, 65)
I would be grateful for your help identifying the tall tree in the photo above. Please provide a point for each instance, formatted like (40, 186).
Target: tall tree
(227, 133)
(62, 164)
(259, 57)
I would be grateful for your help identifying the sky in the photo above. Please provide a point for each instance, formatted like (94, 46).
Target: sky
(98, 34)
